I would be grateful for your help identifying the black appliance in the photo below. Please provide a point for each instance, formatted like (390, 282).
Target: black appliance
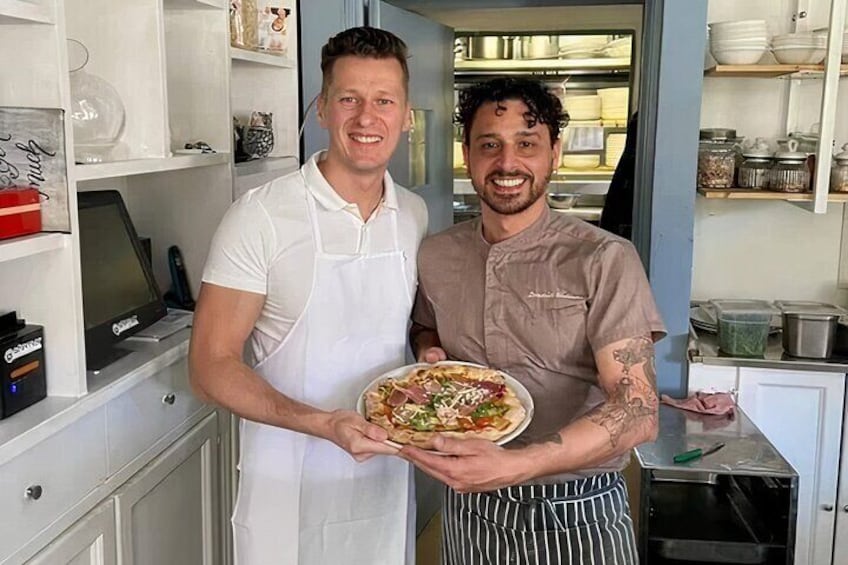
(22, 377)
(120, 295)
(737, 505)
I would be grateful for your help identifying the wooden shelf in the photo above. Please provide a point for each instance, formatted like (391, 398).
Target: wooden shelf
(767, 71)
(19, 12)
(258, 58)
(751, 194)
(28, 245)
(143, 166)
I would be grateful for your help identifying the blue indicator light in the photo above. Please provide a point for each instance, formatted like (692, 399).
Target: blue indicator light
(13, 388)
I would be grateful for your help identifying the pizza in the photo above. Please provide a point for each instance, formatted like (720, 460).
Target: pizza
(448, 399)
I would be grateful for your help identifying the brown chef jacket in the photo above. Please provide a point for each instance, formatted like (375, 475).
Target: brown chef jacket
(536, 306)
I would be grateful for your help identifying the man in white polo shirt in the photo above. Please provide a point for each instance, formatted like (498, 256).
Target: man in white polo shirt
(316, 271)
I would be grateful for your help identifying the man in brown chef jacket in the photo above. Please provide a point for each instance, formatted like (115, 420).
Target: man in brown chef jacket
(563, 307)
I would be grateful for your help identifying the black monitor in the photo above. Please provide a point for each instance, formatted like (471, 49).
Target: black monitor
(120, 297)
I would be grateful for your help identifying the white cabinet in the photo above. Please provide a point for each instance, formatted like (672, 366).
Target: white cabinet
(167, 513)
(91, 541)
(801, 413)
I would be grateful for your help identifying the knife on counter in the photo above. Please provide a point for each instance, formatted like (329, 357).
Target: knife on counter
(694, 454)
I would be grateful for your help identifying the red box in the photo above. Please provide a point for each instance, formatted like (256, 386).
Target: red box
(20, 212)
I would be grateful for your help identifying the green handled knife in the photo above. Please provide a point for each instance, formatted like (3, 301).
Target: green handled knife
(693, 454)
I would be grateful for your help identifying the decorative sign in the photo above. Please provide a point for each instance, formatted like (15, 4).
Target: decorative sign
(32, 155)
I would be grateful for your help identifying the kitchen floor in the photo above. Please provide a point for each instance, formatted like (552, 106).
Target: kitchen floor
(427, 545)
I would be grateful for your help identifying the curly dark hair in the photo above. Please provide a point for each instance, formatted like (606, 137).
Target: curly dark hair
(363, 42)
(543, 106)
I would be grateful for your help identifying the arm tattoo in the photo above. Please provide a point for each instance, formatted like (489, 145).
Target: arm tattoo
(632, 402)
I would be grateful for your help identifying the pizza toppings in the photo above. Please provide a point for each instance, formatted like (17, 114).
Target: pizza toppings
(429, 400)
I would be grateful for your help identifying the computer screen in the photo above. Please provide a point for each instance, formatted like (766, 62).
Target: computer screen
(120, 295)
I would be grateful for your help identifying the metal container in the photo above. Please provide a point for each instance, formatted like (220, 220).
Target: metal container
(539, 46)
(563, 200)
(490, 47)
(809, 335)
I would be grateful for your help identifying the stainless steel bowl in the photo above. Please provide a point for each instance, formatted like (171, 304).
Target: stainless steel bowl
(562, 200)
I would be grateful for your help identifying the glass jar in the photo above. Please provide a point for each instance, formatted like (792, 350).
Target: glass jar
(754, 170)
(717, 153)
(790, 172)
(839, 172)
(97, 112)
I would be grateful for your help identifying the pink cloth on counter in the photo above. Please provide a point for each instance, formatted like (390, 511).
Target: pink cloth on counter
(718, 403)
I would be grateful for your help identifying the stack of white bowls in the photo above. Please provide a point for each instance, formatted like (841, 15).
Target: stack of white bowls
(583, 107)
(614, 103)
(799, 48)
(739, 43)
(615, 148)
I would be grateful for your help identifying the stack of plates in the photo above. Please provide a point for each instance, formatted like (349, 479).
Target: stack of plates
(581, 161)
(581, 46)
(620, 48)
(586, 107)
(614, 103)
(615, 148)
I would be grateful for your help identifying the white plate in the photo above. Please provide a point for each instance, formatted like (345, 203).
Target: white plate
(518, 388)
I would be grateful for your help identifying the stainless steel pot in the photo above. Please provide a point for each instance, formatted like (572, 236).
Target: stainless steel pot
(490, 47)
(539, 46)
(809, 335)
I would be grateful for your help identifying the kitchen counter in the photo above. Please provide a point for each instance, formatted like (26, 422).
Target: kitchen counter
(746, 450)
(703, 348)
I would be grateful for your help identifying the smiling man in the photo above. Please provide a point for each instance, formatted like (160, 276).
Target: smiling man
(563, 307)
(315, 272)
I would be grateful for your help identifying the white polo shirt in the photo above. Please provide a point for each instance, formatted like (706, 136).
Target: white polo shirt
(264, 243)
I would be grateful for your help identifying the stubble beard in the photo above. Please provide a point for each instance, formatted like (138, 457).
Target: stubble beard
(513, 204)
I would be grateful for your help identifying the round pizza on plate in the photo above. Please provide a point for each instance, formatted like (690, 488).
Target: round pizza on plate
(449, 398)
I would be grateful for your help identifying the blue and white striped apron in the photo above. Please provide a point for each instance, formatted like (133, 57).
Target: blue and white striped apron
(585, 521)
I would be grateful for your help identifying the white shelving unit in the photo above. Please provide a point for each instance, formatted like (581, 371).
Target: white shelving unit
(180, 82)
(16, 12)
(31, 245)
(254, 57)
(142, 166)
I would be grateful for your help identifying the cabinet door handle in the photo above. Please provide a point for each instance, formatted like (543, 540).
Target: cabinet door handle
(827, 507)
(34, 492)
(169, 399)
(845, 508)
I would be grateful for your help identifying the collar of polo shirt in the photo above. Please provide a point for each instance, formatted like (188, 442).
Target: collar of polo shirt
(329, 198)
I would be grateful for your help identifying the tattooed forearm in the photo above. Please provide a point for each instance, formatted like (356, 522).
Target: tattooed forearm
(633, 402)
(553, 437)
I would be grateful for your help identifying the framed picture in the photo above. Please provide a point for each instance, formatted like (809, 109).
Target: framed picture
(32, 155)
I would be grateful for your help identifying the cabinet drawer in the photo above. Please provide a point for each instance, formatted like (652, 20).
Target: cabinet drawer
(141, 416)
(66, 466)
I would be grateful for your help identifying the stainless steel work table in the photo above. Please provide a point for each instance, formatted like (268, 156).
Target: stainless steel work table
(737, 505)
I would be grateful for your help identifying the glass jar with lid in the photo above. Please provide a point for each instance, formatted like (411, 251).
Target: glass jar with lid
(754, 170)
(790, 172)
(717, 153)
(839, 171)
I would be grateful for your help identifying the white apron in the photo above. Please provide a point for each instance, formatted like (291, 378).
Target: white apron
(303, 500)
